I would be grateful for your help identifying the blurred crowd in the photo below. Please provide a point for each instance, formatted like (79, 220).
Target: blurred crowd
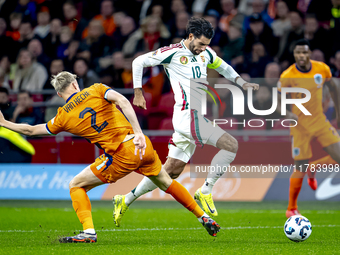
(98, 40)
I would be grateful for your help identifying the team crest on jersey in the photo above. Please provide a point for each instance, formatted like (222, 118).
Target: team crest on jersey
(183, 60)
(296, 152)
(154, 53)
(203, 58)
(318, 78)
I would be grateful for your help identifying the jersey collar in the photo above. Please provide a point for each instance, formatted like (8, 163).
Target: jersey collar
(68, 99)
(185, 47)
(302, 71)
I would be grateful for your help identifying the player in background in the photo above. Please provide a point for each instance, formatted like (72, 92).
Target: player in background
(92, 114)
(184, 62)
(311, 75)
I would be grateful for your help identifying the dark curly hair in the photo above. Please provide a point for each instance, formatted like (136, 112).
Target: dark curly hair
(199, 27)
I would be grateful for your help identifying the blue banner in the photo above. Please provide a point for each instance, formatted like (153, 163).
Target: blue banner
(41, 181)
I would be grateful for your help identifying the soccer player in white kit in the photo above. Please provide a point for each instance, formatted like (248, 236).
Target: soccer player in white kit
(186, 60)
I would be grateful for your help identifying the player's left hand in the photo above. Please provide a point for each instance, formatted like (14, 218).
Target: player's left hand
(254, 86)
(140, 145)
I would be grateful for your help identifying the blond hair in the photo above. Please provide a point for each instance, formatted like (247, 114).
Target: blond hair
(62, 80)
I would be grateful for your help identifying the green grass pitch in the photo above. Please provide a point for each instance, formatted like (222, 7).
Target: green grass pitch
(33, 227)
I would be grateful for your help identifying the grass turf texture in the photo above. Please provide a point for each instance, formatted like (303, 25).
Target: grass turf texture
(33, 227)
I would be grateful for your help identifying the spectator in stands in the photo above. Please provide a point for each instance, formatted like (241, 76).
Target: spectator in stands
(317, 36)
(96, 42)
(25, 112)
(15, 21)
(271, 75)
(260, 32)
(259, 7)
(28, 9)
(232, 52)
(288, 40)
(73, 19)
(52, 40)
(6, 42)
(220, 38)
(26, 34)
(5, 104)
(36, 49)
(127, 72)
(65, 39)
(157, 11)
(318, 55)
(5, 69)
(229, 12)
(281, 24)
(56, 67)
(112, 76)
(30, 75)
(43, 27)
(106, 17)
(179, 27)
(152, 35)
(71, 54)
(256, 61)
(123, 32)
(86, 77)
(336, 71)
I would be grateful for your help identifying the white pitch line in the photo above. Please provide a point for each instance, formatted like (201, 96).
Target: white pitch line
(165, 229)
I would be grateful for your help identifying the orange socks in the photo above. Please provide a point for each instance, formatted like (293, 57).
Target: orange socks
(182, 196)
(82, 205)
(294, 189)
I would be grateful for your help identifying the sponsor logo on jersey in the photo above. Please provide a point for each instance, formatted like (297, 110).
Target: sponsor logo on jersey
(318, 78)
(203, 58)
(183, 60)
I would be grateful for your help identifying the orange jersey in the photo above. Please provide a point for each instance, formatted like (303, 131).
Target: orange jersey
(311, 80)
(88, 114)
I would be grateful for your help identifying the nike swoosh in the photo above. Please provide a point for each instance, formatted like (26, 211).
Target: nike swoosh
(326, 189)
(120, 211)
(212, 211)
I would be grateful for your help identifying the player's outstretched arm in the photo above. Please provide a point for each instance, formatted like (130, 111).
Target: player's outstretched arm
(127, 109)
(24, 129)
(230, 74)
(158, 57)
(335, 92)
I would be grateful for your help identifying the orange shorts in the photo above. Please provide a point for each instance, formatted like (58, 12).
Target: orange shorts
(326, 135)
(112, 168)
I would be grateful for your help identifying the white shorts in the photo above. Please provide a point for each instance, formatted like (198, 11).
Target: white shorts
(191, 130)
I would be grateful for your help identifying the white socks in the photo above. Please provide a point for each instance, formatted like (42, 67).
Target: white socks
(145, 186)
(220, 162)
(90, 231)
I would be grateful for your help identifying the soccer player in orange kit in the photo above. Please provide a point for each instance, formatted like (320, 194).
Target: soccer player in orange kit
(311, 75)
(92, 114)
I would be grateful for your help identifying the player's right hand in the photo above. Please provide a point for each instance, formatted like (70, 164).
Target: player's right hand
(139, 101)
(140, 145)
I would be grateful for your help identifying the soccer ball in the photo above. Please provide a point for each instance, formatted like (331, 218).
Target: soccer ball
(298, 228)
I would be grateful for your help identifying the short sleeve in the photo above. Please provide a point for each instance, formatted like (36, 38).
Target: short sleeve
(328, 73)
(54, 126)
(211, 56)
(102, 89)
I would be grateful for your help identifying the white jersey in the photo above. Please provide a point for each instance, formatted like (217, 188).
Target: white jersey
(181, 67)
